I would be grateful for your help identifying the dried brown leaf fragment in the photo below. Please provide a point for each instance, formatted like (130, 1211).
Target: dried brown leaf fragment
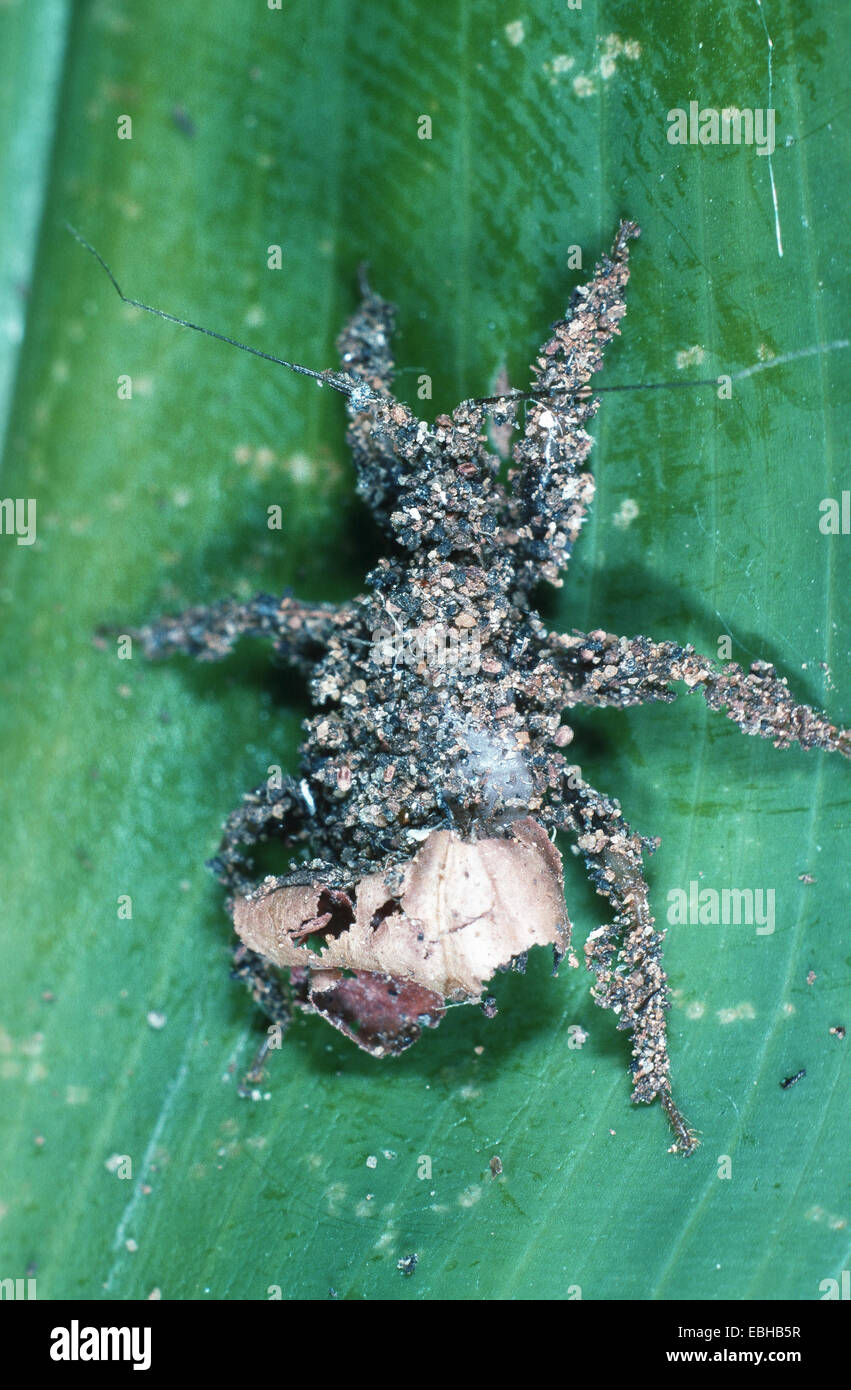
(459, 910)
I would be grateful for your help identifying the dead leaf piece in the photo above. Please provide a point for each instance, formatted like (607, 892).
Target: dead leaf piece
(464, 908)
(382, 1015)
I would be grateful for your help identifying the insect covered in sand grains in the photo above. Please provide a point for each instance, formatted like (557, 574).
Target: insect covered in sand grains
(430, 789)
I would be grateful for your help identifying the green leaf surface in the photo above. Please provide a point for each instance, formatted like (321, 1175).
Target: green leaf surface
(298, 127)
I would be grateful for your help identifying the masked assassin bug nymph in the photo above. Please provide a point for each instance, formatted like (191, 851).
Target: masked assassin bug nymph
(433, 771)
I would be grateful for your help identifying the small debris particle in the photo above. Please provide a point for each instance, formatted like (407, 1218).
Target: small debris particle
(156, 1020)
(811, 977)
(806, 878)
(626, 513)
(479, 1051)
(838, 1031)
(792, 1080)
(131, 1245)
(155, 1295)
(733, 1015)
(389, 1154)
(515, 32)
(372, 1161)
(308, 796)
(407, 1264)
(489, 1008)
(500, 434)
(496, 1166)
(690, 357)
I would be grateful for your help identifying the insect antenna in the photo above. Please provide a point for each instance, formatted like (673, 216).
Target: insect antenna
(347, 385)
(585, 391)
